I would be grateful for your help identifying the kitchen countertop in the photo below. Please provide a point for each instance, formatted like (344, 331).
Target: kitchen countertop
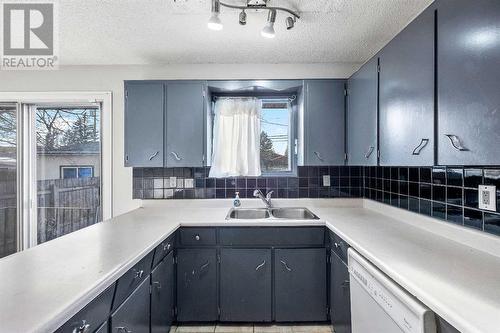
(453, 270)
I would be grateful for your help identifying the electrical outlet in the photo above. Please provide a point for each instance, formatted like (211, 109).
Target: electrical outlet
(326, 180)
(487, 197)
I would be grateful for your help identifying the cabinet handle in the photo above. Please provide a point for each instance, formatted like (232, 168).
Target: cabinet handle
(345, 284)
(420, 146)
(157, 285)
(318, 155)
(154, 155)
(286, 266)
(369, 152)
(176, 156)
(166, 247)
(456, 143)
(197, 237)
(205, 265)
(123, 329)
(83, 328)
(260, 266)
(138, 274)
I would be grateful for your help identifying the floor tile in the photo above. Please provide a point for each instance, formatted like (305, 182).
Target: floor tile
(196, 329)
(234, 329)
(272, 329)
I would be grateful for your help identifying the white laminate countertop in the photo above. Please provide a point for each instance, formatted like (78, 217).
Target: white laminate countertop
(453, 270)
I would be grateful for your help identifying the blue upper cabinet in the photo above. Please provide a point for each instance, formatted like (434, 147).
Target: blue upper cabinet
(407, 95)
(185, 124)
(362, 99)
(468, 82)
(324, 122)
(164, 123)
(144, 112)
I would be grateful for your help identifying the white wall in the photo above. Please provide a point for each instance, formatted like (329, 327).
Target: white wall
(110, 78)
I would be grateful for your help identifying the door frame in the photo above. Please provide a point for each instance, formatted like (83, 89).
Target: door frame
(27, 236)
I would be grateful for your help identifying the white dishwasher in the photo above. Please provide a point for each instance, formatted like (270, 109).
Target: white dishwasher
(379, 305)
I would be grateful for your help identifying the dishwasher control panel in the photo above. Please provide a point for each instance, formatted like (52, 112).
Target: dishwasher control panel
(406, 311)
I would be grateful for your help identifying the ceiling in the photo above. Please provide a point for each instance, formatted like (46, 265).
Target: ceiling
(126, 32)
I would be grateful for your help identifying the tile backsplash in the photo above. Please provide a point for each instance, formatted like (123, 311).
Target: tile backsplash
(191, 183)
(447, 193)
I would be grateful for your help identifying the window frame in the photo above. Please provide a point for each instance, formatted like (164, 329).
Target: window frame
(77, 167)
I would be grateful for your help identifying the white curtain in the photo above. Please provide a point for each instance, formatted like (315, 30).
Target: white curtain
(236, 138)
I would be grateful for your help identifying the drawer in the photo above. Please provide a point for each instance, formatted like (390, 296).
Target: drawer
(197, 236)
(272, 236)
(132, 278)
(339, 246)
(163, 249)
(92, 315)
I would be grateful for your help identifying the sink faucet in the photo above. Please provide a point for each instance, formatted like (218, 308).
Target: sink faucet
(266, 199)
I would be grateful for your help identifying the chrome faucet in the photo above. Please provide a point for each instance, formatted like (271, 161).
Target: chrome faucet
(266, 199)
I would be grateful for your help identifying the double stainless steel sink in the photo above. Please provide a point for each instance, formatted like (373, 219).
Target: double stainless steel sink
(290, 213)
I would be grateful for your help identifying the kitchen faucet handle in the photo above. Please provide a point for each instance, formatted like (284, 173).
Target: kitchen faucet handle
(269, 194)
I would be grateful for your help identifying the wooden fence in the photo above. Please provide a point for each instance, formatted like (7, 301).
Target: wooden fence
(64, 205)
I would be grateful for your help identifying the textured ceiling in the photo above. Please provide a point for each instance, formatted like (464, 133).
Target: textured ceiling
(124, 32)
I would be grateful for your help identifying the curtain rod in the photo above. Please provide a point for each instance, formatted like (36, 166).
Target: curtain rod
(290, 98)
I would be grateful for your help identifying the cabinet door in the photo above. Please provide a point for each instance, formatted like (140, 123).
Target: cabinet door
(162, 295)
(407, 95)
(196, 285)
(324, 122)
(245, 285)
(340, 304)
(468, 80)
(362, 115)
(144, 110)
(185, 124)
(133, 314)
(300, 285)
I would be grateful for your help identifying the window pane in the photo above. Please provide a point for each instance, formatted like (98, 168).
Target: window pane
(275, 137)
(67, 138)
(8, 177)
(84, 172)
(69, 173)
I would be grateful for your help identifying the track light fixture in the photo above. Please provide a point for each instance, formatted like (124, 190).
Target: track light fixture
(243, 17)
(215, 23)
(268, 30)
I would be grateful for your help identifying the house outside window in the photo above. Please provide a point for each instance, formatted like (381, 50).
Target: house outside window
(77, 172)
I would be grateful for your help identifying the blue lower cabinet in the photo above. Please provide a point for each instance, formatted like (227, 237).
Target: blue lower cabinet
(340, 303)
(197, 285)
(162, 295)
(92, 315)
(133, 314)
(300, 285)
(245, 285)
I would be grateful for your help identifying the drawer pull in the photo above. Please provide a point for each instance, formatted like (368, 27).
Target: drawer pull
(83, 328)
(260, 266)
(456, 143)
(369, 152)
(420, 146)
(197, 237)
(318, 155)
(138, 274)
(154, 155)
(285, 265)
(166, 247)
(176, 156)
(123, 329)
(157, 285)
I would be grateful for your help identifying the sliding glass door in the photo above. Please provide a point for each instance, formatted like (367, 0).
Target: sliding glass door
(50, 172)
(68, 169)
(8, 180)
